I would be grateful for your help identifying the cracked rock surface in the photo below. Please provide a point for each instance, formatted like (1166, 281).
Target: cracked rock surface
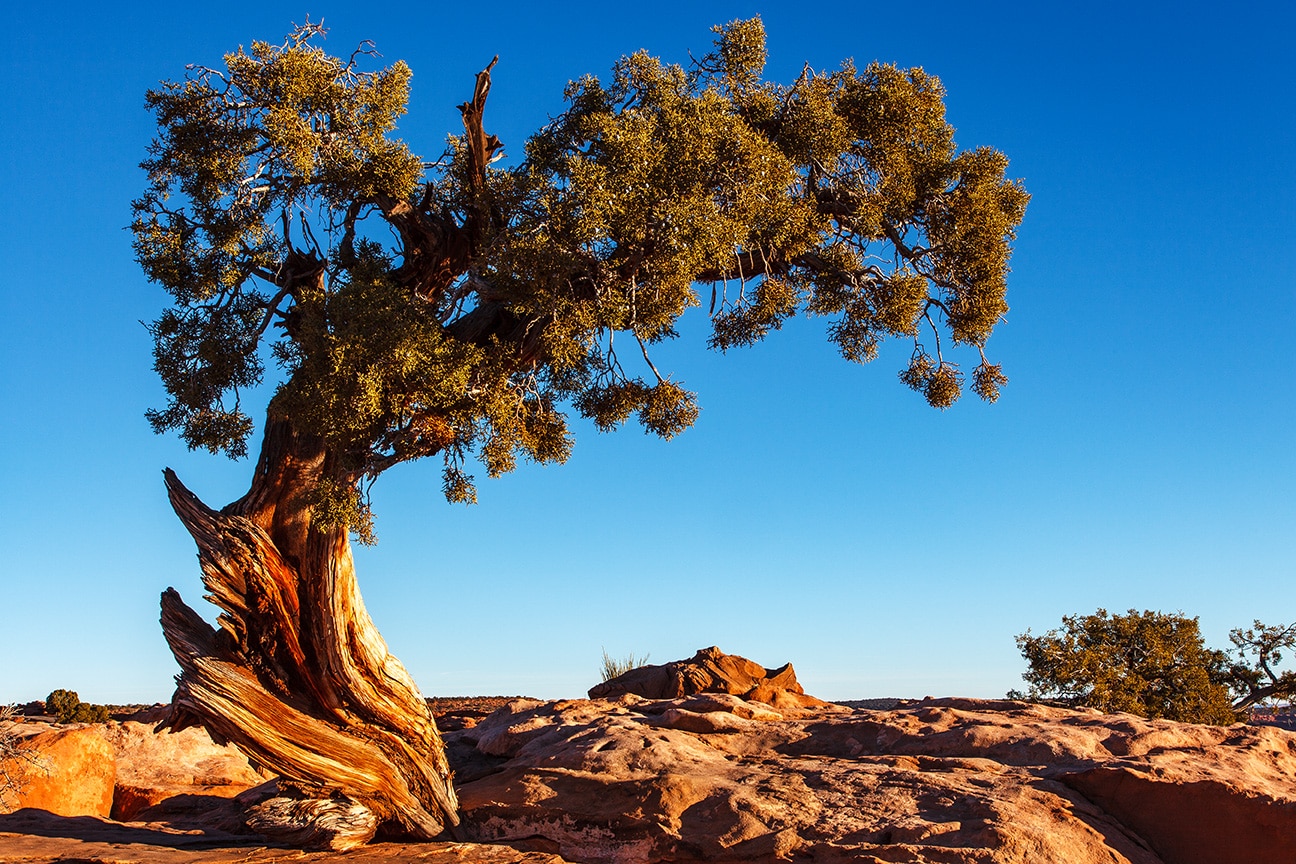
(716, 777)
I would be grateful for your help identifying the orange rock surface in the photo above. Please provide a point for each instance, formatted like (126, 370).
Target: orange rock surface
(711, 671)
(152, 767)
(718, 776)
(71, 772)
(955, 781)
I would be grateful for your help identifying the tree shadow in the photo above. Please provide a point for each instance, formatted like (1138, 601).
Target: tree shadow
(42, 823)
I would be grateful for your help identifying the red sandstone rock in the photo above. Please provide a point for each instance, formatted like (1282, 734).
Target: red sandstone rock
(711, 671)
(1213, 794)
(72, 771)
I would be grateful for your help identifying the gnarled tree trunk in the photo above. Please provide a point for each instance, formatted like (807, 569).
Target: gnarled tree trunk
(297, 675)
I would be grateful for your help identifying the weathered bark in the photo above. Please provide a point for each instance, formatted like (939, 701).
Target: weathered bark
(297, 676)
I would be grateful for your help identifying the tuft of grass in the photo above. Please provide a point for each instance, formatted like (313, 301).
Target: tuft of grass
(614, 668)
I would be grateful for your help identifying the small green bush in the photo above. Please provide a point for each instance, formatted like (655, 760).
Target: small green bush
(62, 704)
(66, 706)
(1148, 663)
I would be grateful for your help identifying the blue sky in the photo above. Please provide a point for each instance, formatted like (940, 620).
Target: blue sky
(819, 512)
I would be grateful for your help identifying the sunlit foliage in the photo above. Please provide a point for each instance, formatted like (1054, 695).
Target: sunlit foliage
(458, 307)
(1147, 663)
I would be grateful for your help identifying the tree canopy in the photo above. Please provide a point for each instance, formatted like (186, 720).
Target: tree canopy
(459, 307)
(1156, 665)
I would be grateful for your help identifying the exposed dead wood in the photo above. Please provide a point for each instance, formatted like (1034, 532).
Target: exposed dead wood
(321, 823)
(298, 676)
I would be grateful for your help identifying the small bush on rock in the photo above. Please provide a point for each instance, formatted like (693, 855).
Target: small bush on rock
(62, 703)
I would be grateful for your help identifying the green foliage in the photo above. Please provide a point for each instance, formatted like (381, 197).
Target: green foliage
(614, 668)
(341, 505)
(87, 713)
(62, 703)
(66, 706)
(459, 307)
(1147, 663)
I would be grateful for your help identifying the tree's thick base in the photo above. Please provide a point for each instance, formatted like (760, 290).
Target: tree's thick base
(300, 680)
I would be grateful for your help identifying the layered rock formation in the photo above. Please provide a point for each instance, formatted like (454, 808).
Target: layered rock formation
(121, 769)
(711, 671)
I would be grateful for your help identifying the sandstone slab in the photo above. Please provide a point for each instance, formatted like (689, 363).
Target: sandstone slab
(716, 776)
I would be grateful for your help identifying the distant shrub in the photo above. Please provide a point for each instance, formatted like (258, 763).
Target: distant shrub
(613, 668)
(87, 713)
(62, 703)
(66, 706)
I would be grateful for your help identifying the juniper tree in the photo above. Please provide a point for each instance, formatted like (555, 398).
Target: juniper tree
(1148, 663)
(461, 308)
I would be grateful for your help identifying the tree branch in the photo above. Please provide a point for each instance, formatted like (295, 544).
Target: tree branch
(481, 151)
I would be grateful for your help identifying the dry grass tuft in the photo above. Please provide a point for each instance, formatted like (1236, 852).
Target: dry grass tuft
(613, 668)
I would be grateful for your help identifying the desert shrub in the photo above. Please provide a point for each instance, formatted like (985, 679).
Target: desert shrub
(1147, 663)
(61, 703)
(614, 668)
(66, 706)
(87, 713)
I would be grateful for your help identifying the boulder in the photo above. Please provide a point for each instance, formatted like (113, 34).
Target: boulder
(719, 778)
(65, 770)
(711, 671)
(154, 767)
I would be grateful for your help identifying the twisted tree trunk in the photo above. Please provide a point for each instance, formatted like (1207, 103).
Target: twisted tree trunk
(297, 675)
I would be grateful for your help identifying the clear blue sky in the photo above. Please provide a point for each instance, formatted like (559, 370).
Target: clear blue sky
(819, 512)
